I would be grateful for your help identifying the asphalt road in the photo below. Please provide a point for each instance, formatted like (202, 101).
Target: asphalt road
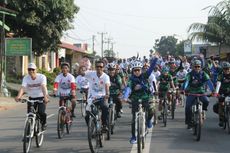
(174, 138)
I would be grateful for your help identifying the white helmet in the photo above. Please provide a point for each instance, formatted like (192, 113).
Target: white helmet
(111, 66)
(136, 64)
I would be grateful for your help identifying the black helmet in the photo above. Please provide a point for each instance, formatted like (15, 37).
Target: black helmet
(226, 65)
(65, 64)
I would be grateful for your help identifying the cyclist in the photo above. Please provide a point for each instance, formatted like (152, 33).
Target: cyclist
(99, 84)
(223, 88)
(115, 88)
(81, 82)
(138, 88)
(65, 86)
(165, 81)
(35, 85)
(195, 83)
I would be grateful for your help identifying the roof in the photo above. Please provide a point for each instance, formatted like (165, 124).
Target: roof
(72, 47)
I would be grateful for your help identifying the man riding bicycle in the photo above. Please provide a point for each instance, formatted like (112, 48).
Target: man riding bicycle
(195, 84)
(223, 88)
(98, 88)
(115, 87)
(138, 88)
(65, 87)
(34, 84)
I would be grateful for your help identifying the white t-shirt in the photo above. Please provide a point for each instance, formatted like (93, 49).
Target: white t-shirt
(34, 87)
(82, 82)
(186, 65)
(152, 79)
(181, 75)
(156, 74)
(64, 83)
(96, 84)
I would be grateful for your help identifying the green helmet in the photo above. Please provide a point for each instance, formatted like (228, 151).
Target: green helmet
(226, 65)
(197, 62)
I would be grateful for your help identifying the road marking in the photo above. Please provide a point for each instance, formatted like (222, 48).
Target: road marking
(50, 115)
(147, 143)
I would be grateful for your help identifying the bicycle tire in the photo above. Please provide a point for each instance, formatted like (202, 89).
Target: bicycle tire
(228, 120)
(109, 123)
(93, 137)
(165, 113)
(27, 138)
(83, 106)
(61, 123)
(198, 126)
(39, 134)
(139, 135)
(68, 122)
(173, 107)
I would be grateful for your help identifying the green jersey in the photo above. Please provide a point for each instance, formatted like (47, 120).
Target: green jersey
(164, 80)
(197, 82)
(116, 84)
(225, 83)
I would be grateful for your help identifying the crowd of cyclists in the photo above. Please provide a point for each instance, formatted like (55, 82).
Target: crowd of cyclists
(129, 80)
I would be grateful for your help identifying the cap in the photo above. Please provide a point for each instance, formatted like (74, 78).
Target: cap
(32, 66)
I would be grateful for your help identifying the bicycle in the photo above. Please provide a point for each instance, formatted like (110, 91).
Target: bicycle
(226, 113)
(140, 126)
(64, 120)
(173, 102)
(83, 102)
(197, 115)
(95, 134)
(33, 127)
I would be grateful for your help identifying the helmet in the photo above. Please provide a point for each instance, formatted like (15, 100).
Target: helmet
(65, 64)
(197, 62)
(164, 70)
(111, 66)
(226, 65)
(136, 64)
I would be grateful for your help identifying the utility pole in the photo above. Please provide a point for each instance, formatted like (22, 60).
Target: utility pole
(108, 42)
(93, 39)
(102, 42)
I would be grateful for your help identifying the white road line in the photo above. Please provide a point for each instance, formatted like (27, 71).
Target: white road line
(147, 143)
(50, 115)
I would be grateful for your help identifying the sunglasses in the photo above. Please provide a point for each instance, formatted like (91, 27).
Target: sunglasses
(98, 66)
(226, 69)
(137, 70)
(29, 69)
(112, 69)
(197, 66)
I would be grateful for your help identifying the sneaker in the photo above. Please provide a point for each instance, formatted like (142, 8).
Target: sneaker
(203, 115)
(104, 128)
(149, 124)
(118, 114)
(44, 126)
(133, 140)
(121, 111)
(221, 123)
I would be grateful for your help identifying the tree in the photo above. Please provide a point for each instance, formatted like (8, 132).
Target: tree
(109, 53)
(180, 48)
(217, 28)
(42, 20)
(165, 45)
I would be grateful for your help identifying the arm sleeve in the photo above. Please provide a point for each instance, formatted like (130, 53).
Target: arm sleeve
(185, 84)
(210, 85)
(153, 64)
(44, 80)
(218, 84)
(127, 92)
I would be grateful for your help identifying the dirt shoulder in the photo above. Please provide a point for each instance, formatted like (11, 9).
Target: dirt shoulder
(7, 103)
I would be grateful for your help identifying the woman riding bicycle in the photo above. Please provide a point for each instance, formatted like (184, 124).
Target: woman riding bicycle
(138, 88)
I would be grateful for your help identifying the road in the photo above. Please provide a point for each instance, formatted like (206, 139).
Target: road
(174, 138)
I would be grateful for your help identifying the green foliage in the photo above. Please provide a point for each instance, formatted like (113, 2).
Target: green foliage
(56, 70)
(109, 53)
(50, 77)
(166, 44)
(42, 20)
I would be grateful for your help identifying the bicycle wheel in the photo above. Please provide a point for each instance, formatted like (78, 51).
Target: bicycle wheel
(113, 119)
(139, 135)
(198, 125)
(39, 134)
(228, 120)
(165, 113)
(173, 107)
(110, 122)
(68, 122)
(61, 123)
(83, 105)
(27, 137)
(93, 136)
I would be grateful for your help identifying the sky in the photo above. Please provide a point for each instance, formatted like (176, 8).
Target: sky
(134, 25)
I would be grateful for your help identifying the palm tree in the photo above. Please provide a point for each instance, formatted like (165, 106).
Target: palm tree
(217, 29)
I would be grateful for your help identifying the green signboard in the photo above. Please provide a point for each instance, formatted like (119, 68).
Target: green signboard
(18, 46)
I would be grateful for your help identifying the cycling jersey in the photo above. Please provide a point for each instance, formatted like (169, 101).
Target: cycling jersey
(82, 82)
(64, 84)
(116, 84)
(164, 80)
(225, 83)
